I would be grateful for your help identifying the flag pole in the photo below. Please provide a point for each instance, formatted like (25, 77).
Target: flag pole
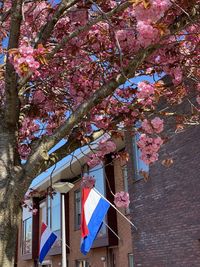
(64, 256)
(65, 244)
(111, 229)
(115, 208)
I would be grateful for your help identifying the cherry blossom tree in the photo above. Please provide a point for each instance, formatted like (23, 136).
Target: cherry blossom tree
(74, 70)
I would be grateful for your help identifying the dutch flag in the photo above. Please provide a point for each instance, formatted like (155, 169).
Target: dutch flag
(94, 208)
(47, 240)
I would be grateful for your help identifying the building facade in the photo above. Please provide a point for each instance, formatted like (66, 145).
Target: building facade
(108, 250)
(166, 208)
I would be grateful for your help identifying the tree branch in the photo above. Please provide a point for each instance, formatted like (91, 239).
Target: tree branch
(36, 158)
(75, 33)
(4, 16)
(47, 29)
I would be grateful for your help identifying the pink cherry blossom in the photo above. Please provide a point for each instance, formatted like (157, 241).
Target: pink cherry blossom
(59, 85)
(95, 159)
(198, 99)
(145, 93)
(149, 147)
(88, 182)
(122, 199)
(107, 146)
(157, 124)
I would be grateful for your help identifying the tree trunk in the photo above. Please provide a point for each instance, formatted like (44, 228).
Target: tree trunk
(9, 221)
(10, 196)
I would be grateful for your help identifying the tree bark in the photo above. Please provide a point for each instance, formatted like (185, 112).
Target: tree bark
(10, 196)
(9, 221)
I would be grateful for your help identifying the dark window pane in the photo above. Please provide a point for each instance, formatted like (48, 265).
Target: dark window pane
(77, 209)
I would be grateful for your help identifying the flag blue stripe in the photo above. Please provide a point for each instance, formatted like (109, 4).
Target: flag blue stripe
(94, 225)
(47, 246)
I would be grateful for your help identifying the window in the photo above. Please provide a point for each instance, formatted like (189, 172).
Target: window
(82, 263)
(130, 260)
(77, 209)
(50, 213)
(139, 164)
(54, 213)
(27, 225)
(125, 177)
(43, 212)
(99, 174)
(27, 236)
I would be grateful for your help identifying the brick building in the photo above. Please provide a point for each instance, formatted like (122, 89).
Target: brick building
(107, 250)
(166, 209)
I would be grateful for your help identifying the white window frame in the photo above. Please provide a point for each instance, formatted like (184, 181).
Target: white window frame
(137, 159)
(130, 257)
(26, 215)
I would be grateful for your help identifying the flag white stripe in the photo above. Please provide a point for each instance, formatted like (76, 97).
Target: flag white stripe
(90, 205)
(46, 234)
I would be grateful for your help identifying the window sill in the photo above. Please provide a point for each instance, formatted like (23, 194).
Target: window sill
(55, 251)
(77, 228)
(26, 257)
(101, 242)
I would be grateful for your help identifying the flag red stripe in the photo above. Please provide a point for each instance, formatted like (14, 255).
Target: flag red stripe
(43, 228)
(84, 196)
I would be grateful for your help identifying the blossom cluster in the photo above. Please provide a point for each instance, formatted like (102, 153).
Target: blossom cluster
(145, 93)
(146, 17)
(149, 147)
(92, 59)
(121, 199)
(26, 58)
(88, 181)
(105, 147)
(154, 126)
(28, 132)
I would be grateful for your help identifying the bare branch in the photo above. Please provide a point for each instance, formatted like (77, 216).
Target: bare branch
(68, 148)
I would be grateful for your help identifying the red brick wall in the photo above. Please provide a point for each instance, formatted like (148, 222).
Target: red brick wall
(166, 209)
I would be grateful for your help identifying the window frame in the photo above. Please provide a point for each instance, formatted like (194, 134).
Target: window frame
(55, 250)
(23, 240)
(50, 200)
(108, 170)
(129, 260)
(125, 180)
(76, 225)
(84, 263)
(137, 160)
(91, 172)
